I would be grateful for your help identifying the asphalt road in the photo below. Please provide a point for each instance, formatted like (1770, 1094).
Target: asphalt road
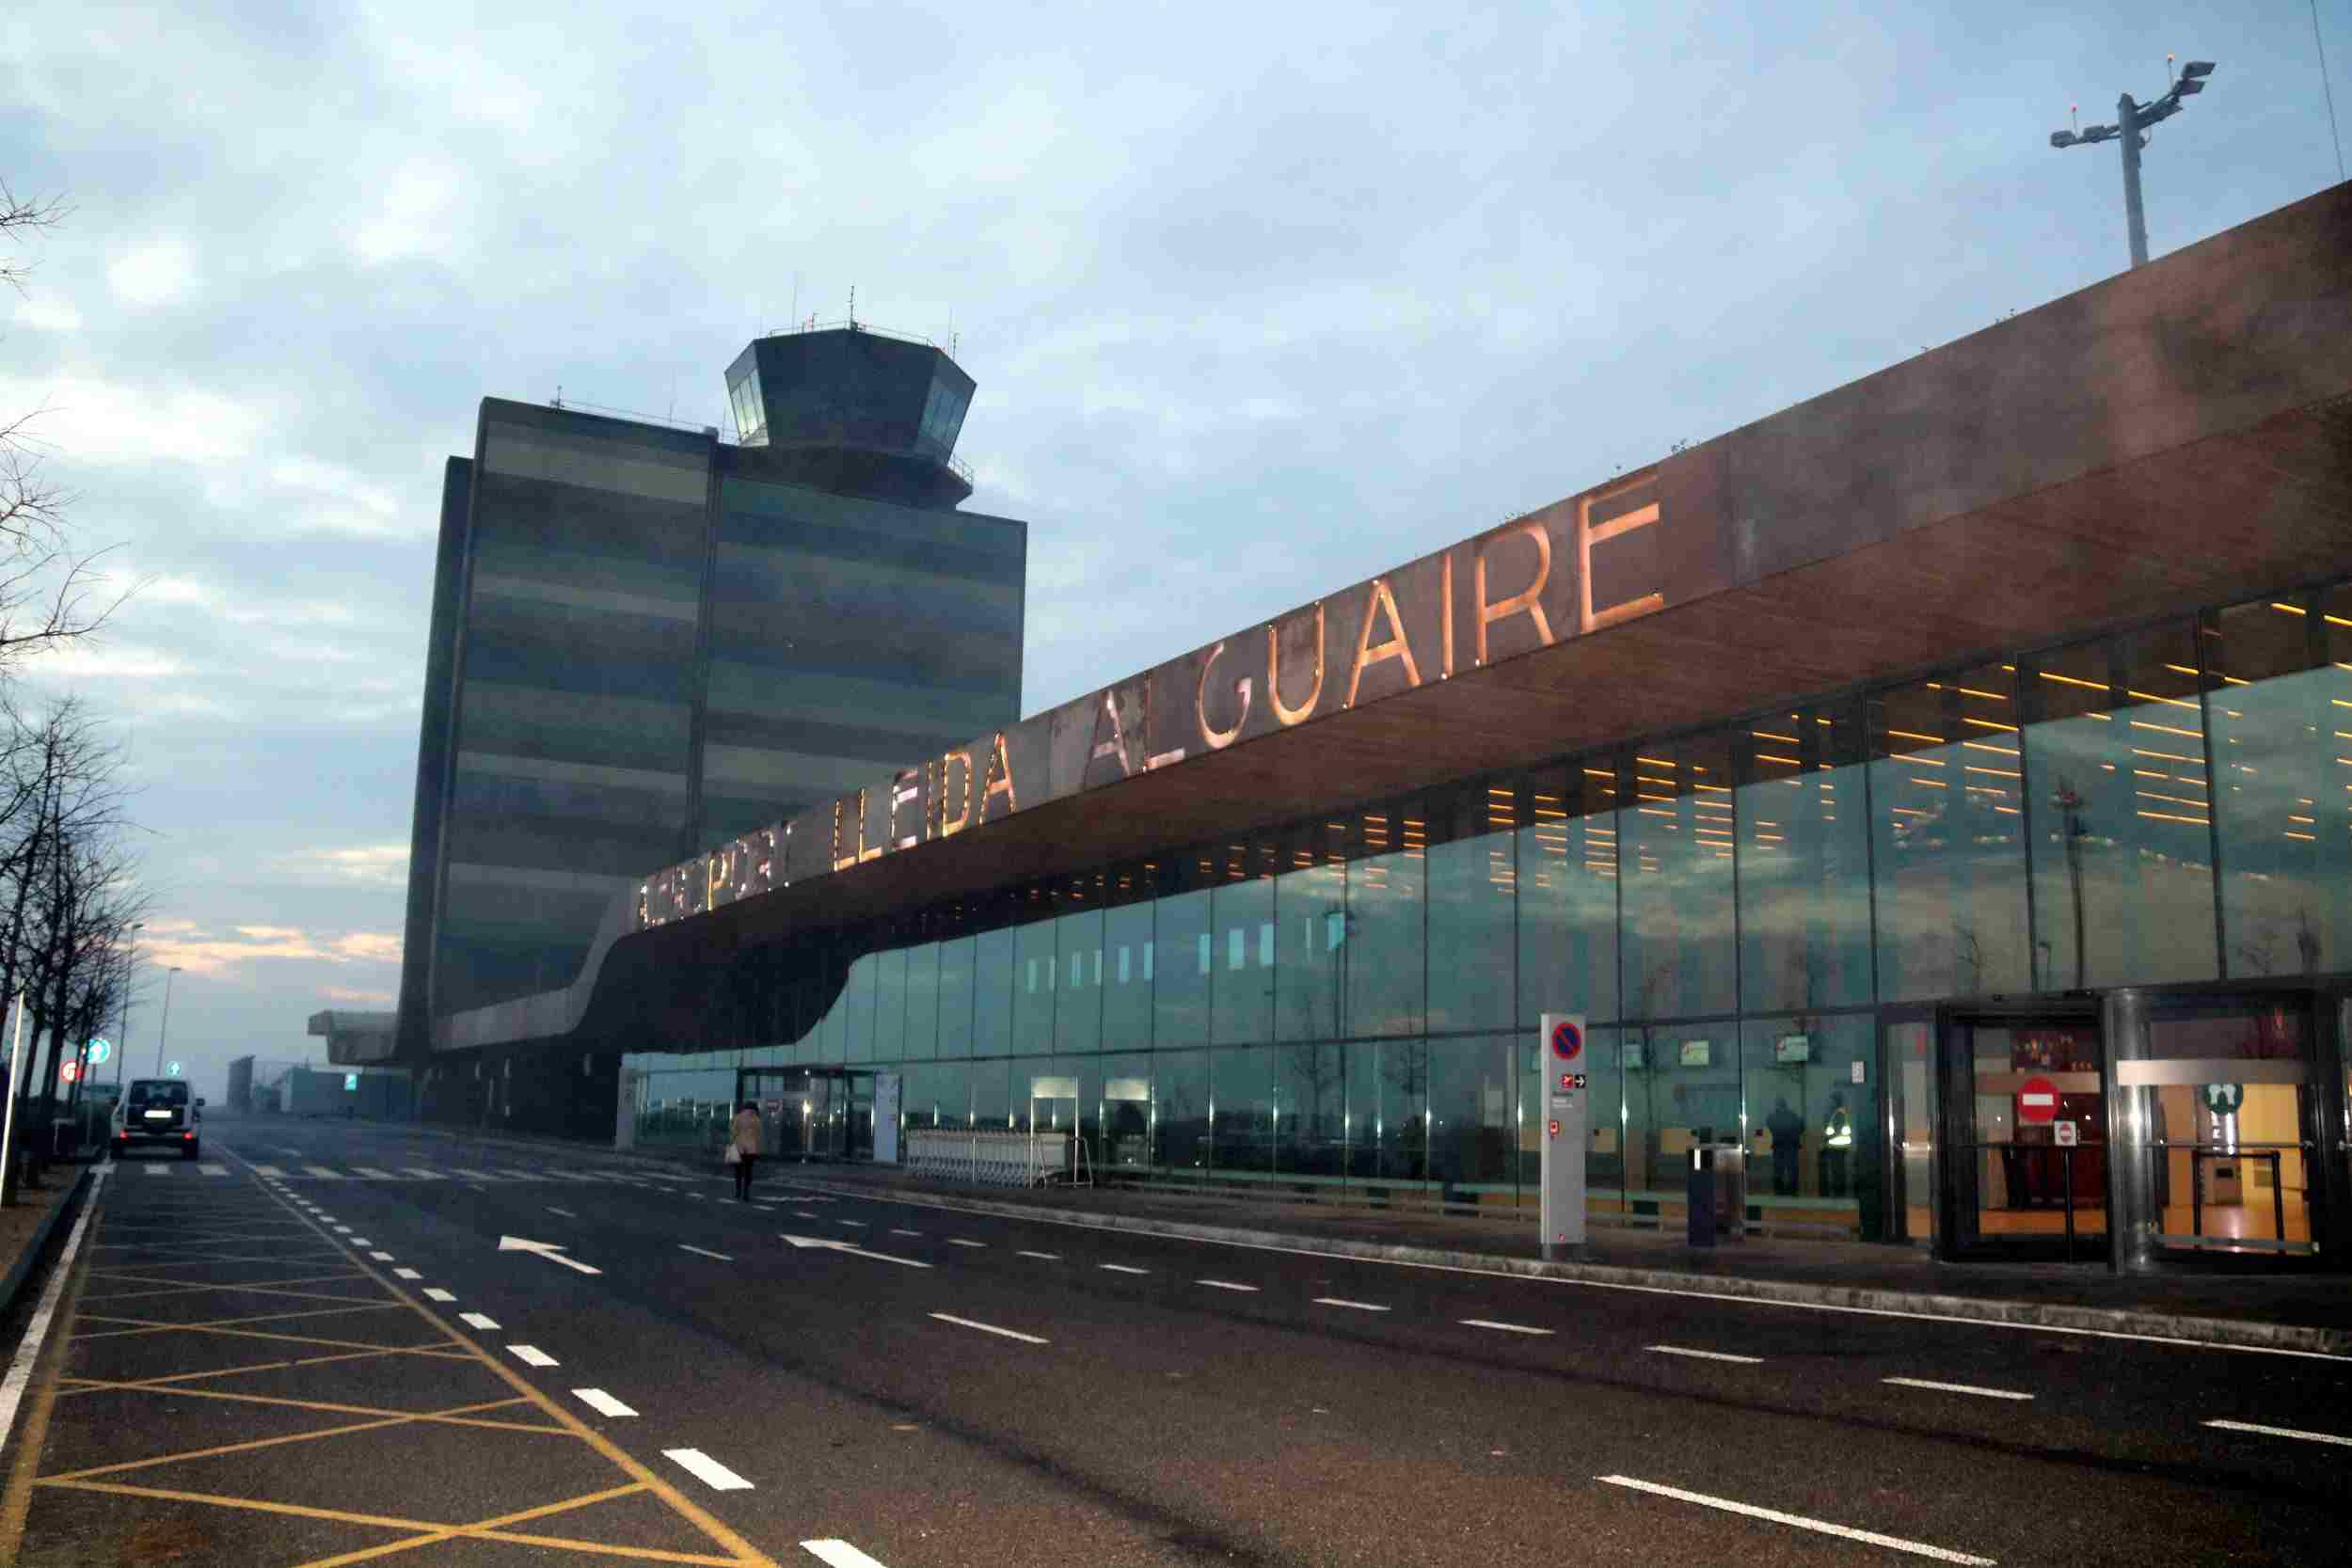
(938, 1389)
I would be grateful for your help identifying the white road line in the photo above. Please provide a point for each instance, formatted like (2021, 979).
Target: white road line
(601, 1403)
(989, 1328)
(295, 1152)
(406, 1274)
(344, 1229)
(434, 1292)
(20, 1374)
(1507, 1328)
(419, 1173)
(322, 1173)
(361, 1240)
(1955, 1388)
(320, 1216)
(854, 1225)
(798, 1213)
(958, 1241)
(838, 1554)
(565, 1212)
(518, 1175)
(1226, 1285)
(1123, 1268)
(156, 1170)
(906, 1233)
(706, 1470)
(2226, 1426)
(381, 1257)
(214, 1170)
(475, 1175)
(706, 1252)
(374, 1175)
(477, 1320)
(268, 1170)
(1847, 1531)
(1694, 1293)
(1049, 1257)
(1718, 1356)
(532, 1355)
(1357, 1305)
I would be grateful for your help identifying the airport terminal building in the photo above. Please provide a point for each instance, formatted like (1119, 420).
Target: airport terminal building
(1942, 788)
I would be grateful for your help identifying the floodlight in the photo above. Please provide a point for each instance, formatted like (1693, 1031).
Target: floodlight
(2062, 139)
(2196, 68)
(2188, 87)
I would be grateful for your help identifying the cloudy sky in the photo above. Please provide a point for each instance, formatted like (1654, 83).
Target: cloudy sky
(1260, 299)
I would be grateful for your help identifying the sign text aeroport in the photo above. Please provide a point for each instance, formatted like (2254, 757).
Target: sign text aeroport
(1576, 566)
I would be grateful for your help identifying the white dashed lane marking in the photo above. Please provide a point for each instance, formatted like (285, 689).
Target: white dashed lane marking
(1846, 1531)
(958, 1241)
(381, 1257)
(722, 1258)
(601, 1403)
(707, 1469)
(434, 1292)
(532, 1355)
(362, 1240)
(214, 1170)
(565, 1212)
(477, 1320)
(1503, 1328)
(839, 1553)
(989, 1328)
(1226, 1285)
(1356, 1306)
(1718, 1356)
(322, 1173)
(2281, 1431)
(406, 1274)
(1123, 1268)
(268, 1170)
(1049, 1257)
(1954, 1388)
(157, 1170)
(374, 1175)
(906, 1233)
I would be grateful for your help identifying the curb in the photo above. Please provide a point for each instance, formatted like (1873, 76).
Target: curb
(21, 1274)
(2223, 1332)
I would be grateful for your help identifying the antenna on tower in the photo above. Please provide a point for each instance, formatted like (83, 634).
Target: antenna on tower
(796, 299)
(853, 308)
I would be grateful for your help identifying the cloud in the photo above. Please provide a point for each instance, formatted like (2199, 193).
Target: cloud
(413, 215)
(193, 947)
(93, 420)
(366, 865)
(155, 273)
(86, 660)
(48, 315)
(358, 998)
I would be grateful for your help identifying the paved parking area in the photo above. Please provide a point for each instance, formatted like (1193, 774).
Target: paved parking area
(239, 1379)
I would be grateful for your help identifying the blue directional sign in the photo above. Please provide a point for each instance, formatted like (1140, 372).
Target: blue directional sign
(172, 1070)
(351, 1081)
(98, 1051)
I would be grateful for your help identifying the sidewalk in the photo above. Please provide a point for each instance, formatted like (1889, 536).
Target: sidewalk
(2298, 1312)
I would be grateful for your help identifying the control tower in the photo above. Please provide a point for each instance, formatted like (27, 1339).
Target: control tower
(855, 411)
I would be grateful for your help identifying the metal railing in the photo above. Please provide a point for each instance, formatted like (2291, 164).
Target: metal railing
(991, 1159)
(2199, 1154)
(2013, 1158)
(850, 323)
(954, 465)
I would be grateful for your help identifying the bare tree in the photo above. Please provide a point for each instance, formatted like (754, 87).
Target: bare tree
(47, 590)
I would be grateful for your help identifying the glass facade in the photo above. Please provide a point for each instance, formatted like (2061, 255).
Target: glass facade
(1351, 1000)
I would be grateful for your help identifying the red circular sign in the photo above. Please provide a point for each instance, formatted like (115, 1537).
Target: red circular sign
(1567, 1040)
(2037, 1100)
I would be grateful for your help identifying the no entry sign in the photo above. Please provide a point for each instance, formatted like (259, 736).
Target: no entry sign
(2037, 1100)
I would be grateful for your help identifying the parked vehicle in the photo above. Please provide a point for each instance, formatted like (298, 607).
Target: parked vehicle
(158, 1111)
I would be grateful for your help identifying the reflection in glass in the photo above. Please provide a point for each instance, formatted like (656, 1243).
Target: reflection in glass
(1567, 895)
(1078, 1015)
(1674, 867)
(890, 1005)
(1127, 977)
(1242, 990)
(1180, 985)
(1310, 913)
(1124, 1114)
(1380, 948)
(1180, 1080)
(2122, 849)
(1474, 1113)
(922, 1026)
(1805, 863)
(992, 998)
(1812, 1130)
(957, 970)
(2281, 716)
(1035, 968)
(992, 1095)
(1311, 1089)
(1473, 909)
(1244, 1110)
(1950, 861)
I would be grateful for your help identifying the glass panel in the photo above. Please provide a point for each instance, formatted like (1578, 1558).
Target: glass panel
(1911, 1070)
(1472, 914)
(1313, 1091)
(2115, 768)
(890, 1006)
(2235, 1116)
(1682, 1087)
(1125, 1113)
(2020, 1188)
(992, 1095)
(1473, 1116)
(1035, 1086)
(957, 967)
(991, 999)
(858, 1021)
(1311, 917)
(1244, 1114)
(1805, 863)
(1078, 1014)
(1180, 985)
(1567, 888)
(1036, 970)
(2282, 739)
(1181, 1080)
(1243, 989)
(1380, 948)
(922, 1028)
(1950, 865)
(1676, 868)
(828, 1036)
(1127, 977)
(1388, 1100)
(1811, 1126)
(953, 1089)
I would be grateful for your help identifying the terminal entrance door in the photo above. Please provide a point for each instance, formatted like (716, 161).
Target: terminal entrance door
(2024, 1118)
(812, 1114)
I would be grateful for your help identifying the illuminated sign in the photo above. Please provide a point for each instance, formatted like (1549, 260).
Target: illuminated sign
(1577, 567)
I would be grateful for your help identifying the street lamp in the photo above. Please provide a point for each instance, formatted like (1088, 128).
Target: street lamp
(164, 1031)
(2132, 121)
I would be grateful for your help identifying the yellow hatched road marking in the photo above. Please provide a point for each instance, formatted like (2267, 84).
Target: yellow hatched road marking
(175, 1379)
(305, 1340)
(268, 1288)
(92, 1384)
(147, 1326)
(251, 1444)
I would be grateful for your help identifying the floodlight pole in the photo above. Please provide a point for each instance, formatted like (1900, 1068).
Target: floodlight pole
(2135, 213)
